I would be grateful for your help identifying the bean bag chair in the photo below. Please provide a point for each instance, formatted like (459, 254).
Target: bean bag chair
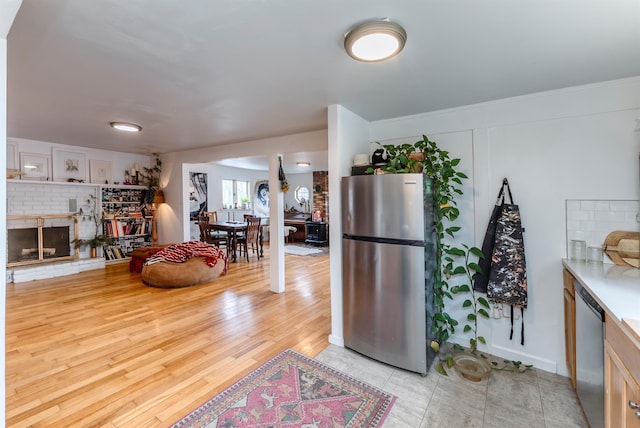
(140, 255)
(184, 265)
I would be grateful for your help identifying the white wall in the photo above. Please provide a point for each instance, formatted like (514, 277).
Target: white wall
(348, 135)
(573, 143)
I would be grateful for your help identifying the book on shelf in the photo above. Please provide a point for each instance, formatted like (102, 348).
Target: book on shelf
(114, 252)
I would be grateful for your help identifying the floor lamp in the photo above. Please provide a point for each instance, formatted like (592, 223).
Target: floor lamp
(158, 199)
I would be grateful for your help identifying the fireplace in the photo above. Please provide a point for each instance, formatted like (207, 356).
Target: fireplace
(40, 238)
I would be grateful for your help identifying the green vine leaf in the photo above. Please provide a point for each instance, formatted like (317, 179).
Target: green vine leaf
(460, 270)
(440, 369)
(455, 252)
(465, 288)
(475, 267)
(484, 302)
(449, 361)
(476, 252)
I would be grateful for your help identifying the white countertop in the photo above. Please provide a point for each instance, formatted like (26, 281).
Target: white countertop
(615, 288)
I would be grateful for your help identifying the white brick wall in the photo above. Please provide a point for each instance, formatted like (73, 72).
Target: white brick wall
(593, 220)
(32, 198)
(55, 269)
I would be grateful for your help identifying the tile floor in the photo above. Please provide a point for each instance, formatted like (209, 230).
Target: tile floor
(534, 398)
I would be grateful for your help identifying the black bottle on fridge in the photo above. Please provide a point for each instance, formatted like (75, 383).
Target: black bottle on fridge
(388, 262)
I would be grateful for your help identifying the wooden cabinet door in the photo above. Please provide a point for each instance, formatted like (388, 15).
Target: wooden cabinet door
(570, 334)
(570, 324)
(632, 409)
(613, 390)
(621, 389)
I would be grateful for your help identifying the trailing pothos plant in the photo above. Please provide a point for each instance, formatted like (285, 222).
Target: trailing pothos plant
(459, 262)
(451, 261)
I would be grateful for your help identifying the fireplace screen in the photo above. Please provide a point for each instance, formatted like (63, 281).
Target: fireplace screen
(40, 239)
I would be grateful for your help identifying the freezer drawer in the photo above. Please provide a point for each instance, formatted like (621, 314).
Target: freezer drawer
(384, 302)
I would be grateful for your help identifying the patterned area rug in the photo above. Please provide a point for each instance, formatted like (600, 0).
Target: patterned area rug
(293, 390)
(300, 250)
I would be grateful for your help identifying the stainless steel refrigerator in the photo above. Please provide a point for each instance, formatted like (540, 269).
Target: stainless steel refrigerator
(388, 259)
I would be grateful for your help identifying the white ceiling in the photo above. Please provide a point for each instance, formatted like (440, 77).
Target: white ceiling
(200, 73)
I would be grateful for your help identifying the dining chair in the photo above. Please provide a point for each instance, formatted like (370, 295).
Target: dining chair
(209, 236)
(217, 234)
(251, 237)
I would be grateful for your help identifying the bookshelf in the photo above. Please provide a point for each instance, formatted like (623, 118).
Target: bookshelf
(124, 220)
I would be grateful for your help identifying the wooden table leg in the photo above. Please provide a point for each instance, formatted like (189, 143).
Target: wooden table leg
(234, 238)
(261, 239)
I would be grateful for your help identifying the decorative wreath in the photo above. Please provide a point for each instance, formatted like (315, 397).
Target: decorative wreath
(284, 184)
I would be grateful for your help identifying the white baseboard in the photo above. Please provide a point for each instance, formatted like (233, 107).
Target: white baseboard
(336, 340)
(510, 354)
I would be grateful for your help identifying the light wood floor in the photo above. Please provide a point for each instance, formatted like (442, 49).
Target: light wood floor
(102, 349)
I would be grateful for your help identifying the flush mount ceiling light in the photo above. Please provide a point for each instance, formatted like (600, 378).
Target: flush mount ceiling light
(125, 126)
(303, 164)
(375, 41)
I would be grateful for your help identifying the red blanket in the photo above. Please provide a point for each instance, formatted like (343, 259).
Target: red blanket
(180, 253)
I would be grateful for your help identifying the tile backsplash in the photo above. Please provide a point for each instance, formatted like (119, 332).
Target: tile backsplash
(592, 220)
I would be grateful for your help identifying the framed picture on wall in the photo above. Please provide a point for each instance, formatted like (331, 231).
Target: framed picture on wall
(197, 194)
(100, 171)
(69, 166)
(261, 206)
(34, 166)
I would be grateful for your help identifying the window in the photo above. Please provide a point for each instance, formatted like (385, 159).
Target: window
(235, 193)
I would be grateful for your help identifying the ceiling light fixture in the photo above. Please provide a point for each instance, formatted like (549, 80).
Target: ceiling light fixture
(375, 40)
(303, 164)
(126, 126)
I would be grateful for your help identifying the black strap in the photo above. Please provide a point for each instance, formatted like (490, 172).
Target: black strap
(505, 183)
(522, 326)
(511, 334)
(499, 199)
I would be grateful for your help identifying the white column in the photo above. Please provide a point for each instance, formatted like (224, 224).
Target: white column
(276, 226)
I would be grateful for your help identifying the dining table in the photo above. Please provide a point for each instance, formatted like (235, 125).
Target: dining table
(233, 228)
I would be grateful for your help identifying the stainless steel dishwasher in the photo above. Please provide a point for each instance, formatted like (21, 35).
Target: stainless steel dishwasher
(590, 356)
